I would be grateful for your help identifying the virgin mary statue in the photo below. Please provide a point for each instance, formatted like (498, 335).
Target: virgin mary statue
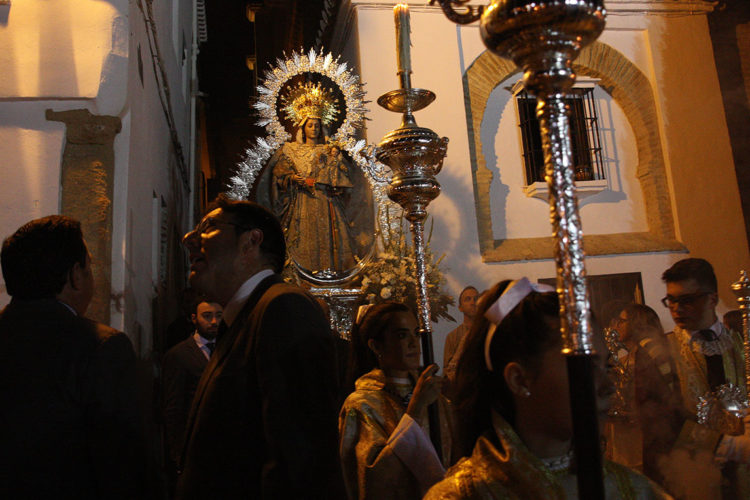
(312, 187)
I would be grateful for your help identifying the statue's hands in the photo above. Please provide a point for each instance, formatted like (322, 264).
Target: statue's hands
(306, 182)
(426, 392)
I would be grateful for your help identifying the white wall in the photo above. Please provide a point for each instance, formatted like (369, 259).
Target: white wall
(617, 209)
(151, 174)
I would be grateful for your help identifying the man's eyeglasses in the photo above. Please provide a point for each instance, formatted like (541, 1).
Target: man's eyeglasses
(683, 300)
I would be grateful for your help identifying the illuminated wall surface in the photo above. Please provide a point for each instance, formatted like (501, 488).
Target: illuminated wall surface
(83, 54)
(53, 57)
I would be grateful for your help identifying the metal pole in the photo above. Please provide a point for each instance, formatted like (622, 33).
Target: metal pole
(543, 37)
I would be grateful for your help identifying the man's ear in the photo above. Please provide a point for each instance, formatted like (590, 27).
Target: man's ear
(76, 276)
(517, 379)
(194, 318)
(251, 239)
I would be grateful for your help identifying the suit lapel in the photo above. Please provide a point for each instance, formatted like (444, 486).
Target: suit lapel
(195, 353)
(223, 348)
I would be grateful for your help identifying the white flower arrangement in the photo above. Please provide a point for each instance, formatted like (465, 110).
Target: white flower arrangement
(391, 275)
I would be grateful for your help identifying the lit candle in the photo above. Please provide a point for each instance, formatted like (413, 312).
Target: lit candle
(401, 15)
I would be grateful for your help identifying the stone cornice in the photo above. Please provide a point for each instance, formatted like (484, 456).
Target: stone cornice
(618, 7)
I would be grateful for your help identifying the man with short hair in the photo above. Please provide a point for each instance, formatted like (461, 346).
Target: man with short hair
(702, 355)
(69, 421)
(182, 369)
(264, 418)
(467, 304)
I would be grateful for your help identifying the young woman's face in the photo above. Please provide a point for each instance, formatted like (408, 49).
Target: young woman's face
(623, 327)
(400, 351)
(548, 407)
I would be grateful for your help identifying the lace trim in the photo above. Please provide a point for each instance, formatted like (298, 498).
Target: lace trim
(558, 464)
(720, 345)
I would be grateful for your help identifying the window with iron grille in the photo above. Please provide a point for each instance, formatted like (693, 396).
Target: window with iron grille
(584, 135)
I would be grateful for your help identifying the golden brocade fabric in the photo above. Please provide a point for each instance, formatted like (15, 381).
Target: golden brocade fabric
(372, 466)
(318, 229)
(510, 471)
(691, 365)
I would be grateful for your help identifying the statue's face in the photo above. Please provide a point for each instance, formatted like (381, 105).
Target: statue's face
(312, 129)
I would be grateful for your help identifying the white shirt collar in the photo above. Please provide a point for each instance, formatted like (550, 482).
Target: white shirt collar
(202, 344)
(232, 309)
(69, 308)
(716, 328)
(721, 343)
(201, 340)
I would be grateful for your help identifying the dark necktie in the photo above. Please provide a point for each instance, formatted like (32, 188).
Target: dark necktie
(714, 363)
(211, 346)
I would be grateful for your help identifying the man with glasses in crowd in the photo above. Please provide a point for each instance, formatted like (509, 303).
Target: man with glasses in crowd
(263, 423)
(702, 355)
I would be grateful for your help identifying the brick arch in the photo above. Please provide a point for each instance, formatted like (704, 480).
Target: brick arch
(630, 88)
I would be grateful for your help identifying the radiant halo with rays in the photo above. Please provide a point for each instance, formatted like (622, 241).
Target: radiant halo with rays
(276, 79)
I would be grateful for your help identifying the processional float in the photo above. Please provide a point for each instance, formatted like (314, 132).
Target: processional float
(543, 37)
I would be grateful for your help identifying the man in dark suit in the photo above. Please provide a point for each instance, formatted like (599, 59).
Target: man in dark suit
(69, 422)
(182, 369)
(264, 418)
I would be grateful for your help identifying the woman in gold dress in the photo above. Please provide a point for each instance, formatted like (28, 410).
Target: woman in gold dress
(386, 452)
(513, 406)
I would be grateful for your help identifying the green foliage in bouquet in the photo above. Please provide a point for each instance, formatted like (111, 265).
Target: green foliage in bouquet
(392, 273)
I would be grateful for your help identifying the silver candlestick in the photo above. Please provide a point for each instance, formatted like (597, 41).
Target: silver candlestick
(415, 155)
(741, 289)
(543, 37)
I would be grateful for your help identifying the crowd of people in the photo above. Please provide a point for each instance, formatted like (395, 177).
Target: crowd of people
(253, 405)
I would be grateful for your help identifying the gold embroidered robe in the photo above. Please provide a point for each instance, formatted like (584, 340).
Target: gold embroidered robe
(372, 465)
(695, 446)
(511, 472)
(691, 366)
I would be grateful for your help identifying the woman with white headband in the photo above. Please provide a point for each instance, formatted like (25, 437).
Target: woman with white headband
(386, 452)
(513, 405)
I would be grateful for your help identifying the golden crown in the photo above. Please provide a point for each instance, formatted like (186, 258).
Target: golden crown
(308, 100)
